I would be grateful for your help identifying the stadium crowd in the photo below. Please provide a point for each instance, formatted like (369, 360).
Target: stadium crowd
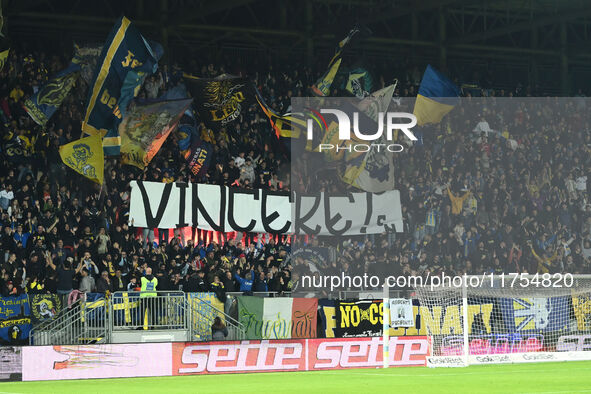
(474, 199)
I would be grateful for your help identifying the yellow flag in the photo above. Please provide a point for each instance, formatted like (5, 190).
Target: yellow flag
(322, 87)
(3, 57)
(86, 157)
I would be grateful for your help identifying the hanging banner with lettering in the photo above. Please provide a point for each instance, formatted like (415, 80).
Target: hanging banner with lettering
(15, 320)
(199, 156)
(304, 317)
(401, 314)
(278, 318)
(327, 317)
(224, 209)
(327, 313)
(446, 319)
(359, 318)
(196, 358)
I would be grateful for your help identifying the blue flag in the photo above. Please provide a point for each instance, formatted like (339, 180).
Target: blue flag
(437, 96)
(125, 61)
(95, 307)
(43, 104)
(185, 133)
(126, 308)
(199, 157)
(535, 314)
(15, 320)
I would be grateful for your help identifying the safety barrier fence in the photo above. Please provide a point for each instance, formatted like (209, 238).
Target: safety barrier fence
(98, 321)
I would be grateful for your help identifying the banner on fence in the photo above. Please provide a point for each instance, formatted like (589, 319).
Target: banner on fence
(582, 309)
(278, 318)
(15, 320)
(361, 318)
(94, 307)
(205, 307)
(535, 314)
(225, 209)
(295, 355)
(44, 307)
(445, 319)
(327, 313)
(401, 313)
(126, 308)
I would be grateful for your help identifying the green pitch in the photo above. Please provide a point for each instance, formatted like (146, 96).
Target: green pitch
(550, 378)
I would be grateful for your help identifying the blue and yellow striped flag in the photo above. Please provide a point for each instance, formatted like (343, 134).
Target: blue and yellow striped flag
(126, 60)
(437, 96)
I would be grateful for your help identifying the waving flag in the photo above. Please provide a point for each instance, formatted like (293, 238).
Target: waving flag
(126, 59)
(220, 100)
(43, 104)
(358, 83)
(145, 128)
(322, 86)
(86, 157)
(284, 125)
(437, 96)
(372, 171)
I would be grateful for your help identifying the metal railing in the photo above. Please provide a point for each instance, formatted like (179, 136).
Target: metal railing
(95, 322)
(203, 318)
(80, 324)
(162, 311)
(262, 293)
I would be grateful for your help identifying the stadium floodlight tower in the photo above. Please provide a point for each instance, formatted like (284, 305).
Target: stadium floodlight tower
(507, 318)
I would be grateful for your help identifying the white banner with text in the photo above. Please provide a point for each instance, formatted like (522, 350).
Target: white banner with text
(226, 209)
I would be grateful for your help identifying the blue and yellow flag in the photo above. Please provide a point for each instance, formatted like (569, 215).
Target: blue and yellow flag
(372, 171)
(437, 96)
(43, 104)
(15, 320)
(3, 57)
(86, 157)
(145, 128)
(287, 125)
(322, 86)
(126, 60)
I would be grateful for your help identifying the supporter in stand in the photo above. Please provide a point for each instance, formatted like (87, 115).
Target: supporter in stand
(219, 332)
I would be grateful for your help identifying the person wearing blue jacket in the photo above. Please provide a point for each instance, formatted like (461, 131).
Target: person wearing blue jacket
(246, 282)
(260, 284)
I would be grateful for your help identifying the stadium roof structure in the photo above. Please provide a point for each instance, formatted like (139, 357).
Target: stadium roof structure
(540, 36)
